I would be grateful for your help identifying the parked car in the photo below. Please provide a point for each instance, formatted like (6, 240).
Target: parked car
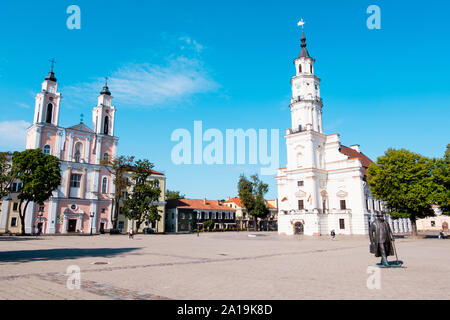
(148, 230)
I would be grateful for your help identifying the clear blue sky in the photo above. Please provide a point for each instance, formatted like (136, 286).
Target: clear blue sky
(229, 64)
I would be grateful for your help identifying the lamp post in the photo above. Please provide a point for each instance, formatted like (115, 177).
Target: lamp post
(92, 215)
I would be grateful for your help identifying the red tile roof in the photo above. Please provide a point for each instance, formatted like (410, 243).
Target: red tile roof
(351, 153)
(236, 201)
(197, 204)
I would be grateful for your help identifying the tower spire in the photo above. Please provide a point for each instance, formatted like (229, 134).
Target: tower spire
(105, 88)
(304, 52)
(51, 74)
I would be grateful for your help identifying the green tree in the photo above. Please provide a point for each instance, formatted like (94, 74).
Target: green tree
(173, 195)
(118, 167)
(40, 175)
(6, 174)
(251, 192)
(404, 180)
(140, 205)
(208, 224)
(441, 178)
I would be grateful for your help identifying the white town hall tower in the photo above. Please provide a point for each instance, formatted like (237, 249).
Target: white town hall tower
(323, 186)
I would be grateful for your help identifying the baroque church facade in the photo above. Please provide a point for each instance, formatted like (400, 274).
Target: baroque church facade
(82, 203)
(323, 186)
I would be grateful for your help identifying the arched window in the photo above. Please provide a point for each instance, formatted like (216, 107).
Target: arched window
(77, 154)
(46, 149)
(310, 68)
(300, 68)
(105, 185)
(106, 156)
(49, 113)
(106, 125)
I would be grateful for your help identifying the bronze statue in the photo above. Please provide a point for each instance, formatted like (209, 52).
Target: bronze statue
(382, 242)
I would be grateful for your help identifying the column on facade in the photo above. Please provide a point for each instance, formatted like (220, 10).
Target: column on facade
(80, 220)
(83, 184)
(93, 222)
(98, 150)
(29, 218)
(69, 174)
(37, 142)
(88, 151)
(70, 154)
(5, 214)
(51, 216)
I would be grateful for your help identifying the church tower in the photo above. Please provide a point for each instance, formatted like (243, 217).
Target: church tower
(104, 113)
(306, 104)
(48, 101)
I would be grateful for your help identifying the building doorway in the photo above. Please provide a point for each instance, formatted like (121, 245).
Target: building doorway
(298, 228)
(39, 226)
(72, 225)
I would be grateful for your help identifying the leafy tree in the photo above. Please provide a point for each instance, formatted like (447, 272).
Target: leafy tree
(118, 167)
(441, 193)
(40, 175)
(140, 204)
(6, 174)
(251, 193)
(404, 180)
(173, 195)
(208, 224)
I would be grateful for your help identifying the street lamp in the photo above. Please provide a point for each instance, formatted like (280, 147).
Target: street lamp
(92, 215)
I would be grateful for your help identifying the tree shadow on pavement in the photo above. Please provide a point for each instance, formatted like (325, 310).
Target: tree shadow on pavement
(61, 254)
(12, 238)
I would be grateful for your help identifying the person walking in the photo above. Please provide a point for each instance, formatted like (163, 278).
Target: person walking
(333, 234)
(131, 234)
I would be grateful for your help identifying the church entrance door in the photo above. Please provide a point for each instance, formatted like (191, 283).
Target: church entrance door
(298, 228)
(72, 225)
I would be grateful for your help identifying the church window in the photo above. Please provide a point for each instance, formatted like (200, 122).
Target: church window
(106, 156)
(300, 183)
(75, 180)
(324, 205)
(342, 224)
(105, 185)
(301, 205)
(343, 205)
(46, 149)
(106, 125)
(311, 69)
(49, 113)
(300, 68)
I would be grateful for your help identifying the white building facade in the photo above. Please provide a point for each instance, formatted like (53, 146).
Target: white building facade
(323, 186)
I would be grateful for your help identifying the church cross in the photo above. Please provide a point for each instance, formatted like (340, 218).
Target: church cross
(53, 64)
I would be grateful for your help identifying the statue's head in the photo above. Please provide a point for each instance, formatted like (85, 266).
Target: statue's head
(380, 215)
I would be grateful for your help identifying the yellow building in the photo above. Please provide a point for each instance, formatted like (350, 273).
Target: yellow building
(243, 220)
(9, 212)
(157, 227)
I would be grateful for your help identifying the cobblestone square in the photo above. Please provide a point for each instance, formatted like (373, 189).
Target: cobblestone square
(219, 266)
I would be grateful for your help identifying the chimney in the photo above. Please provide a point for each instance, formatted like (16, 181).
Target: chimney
(204, 201)
(355, 147)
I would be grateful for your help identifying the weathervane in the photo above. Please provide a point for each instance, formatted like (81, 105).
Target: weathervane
(106, 81)
(301, 23)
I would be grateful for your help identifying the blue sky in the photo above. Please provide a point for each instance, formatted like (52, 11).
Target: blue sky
(229, 64)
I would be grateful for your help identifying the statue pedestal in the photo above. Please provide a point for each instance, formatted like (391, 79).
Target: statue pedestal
(391, 264)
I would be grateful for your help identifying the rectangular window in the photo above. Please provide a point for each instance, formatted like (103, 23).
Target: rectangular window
(75, 180)
(173, 215)
(342, 224)
(14, 222)
(433, 223)
(214, 215)
(15, 206)
(343, 205)
(300, 183)
(220, 215)
(121, 225)
(301, 205)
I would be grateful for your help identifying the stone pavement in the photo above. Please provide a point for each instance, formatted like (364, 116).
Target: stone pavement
(218, 266)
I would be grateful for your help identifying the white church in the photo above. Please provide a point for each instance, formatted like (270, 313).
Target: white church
(323, 186)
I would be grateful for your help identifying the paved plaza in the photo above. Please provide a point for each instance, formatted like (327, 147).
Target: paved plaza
(219, 266)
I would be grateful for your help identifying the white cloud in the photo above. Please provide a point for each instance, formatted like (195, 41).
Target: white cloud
(191, 44)
(23, 105)
(149, 85)
(13, 135)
